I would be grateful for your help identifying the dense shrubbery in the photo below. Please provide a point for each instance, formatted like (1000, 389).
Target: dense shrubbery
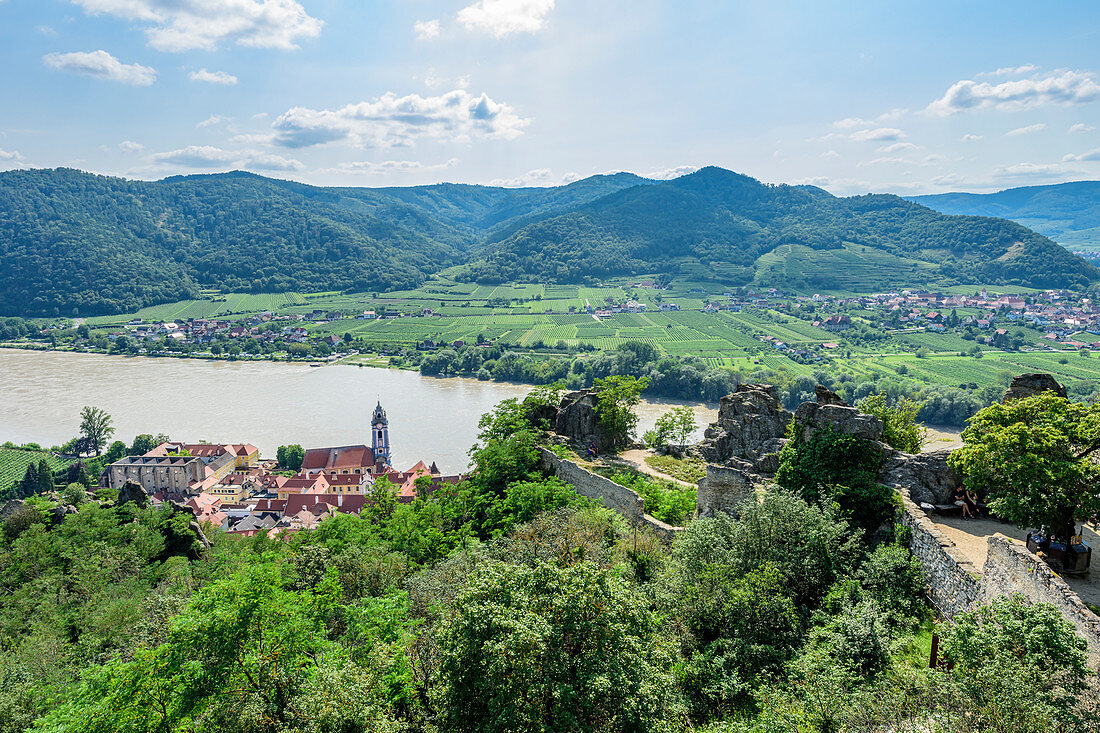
(506, 603)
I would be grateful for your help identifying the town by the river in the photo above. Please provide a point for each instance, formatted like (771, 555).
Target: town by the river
(267, 404)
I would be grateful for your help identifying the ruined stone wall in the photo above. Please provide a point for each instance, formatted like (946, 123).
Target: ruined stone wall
(1011, 568)
(618, 498)
(954, 583)
(723, 489)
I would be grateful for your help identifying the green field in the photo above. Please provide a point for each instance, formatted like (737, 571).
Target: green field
(14, 462)
(532, 316)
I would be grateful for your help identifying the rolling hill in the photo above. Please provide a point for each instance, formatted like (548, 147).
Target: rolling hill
(1068, 213)
(75, 243)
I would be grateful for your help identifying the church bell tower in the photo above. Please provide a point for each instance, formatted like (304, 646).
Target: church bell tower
(380, 435)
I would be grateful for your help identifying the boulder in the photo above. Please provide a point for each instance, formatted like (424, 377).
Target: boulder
(926, 475)
(751, 423)
(814, 416)
(826, 396)
(576, 420)
(132, 491)
(1029, 385)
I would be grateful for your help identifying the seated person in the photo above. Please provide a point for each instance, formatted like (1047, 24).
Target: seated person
(960, 501)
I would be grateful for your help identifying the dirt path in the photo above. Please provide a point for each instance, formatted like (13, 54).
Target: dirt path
(970, 536)
(636, 459)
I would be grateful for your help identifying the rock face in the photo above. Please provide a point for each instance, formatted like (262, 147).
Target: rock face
(723, 489)
(826, 396)
(576, 419)
(750, 426)
(926, 475)
(132, 491)
(1029, 385)
(813, 416)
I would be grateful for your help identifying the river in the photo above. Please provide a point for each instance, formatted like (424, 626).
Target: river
(264, 403)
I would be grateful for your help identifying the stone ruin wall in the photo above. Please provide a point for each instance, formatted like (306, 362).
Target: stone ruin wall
(1011, 568)
(618, 498)
(954, 583)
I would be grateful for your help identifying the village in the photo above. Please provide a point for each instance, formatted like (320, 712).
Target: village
(231, 487)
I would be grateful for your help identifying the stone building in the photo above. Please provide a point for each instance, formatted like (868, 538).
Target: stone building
(173, 474)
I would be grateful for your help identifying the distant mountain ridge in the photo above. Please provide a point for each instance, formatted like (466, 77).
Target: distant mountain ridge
(1068, 213)
(75, 243)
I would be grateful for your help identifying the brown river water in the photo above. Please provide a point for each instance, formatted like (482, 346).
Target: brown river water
(264, 403)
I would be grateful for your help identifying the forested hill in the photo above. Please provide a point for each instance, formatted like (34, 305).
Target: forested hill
(716, 220)
(1068, 213)
(74, 243)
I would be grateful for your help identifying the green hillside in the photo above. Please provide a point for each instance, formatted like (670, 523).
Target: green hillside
(77, 244)
(1068, 213)
(727, 222)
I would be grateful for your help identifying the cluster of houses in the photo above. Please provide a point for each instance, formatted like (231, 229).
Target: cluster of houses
(230, 486)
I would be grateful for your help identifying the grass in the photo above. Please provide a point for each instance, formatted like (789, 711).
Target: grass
(664, 500)
(679, 468)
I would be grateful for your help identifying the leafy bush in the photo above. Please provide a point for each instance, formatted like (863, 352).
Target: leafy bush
(900, 428)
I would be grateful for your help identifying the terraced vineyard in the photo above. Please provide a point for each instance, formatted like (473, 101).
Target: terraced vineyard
(14, 462)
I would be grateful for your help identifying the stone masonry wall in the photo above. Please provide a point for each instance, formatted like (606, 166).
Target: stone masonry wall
(615, 497)
(1011, 568)
(954, 583)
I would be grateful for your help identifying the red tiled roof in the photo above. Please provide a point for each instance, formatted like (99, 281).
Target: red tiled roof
(348, 456)
(346, 503)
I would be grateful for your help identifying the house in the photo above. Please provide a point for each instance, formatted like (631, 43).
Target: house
(837, 323)
(347, 459)
(301, 484)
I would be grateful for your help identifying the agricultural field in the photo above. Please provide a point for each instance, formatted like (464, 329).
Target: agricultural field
(529, 317)
(14, 462)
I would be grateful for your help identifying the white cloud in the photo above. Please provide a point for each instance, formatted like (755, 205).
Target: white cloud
(101, 65)
(207, 157)
(849, 123)
(537, 177)
(391, 121)
(897, 148)
(213, 77)
(818, 181)
(500, 18)
(370, 168)
(880, 133)
(830, 154)
(1030, 171)
(1080, 127)
(1059, 87)
(1011, 70)
(9, 156)
(129, 146)
(1091, 155)
(46, 30)
(667, 174)
(214, 120)
(433, 80)
(181, 25)
(949, 179)
(886, 160)
(426, 30)
(1026, 130)
(969, 138)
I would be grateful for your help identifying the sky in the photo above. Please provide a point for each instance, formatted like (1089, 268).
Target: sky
(907, 98)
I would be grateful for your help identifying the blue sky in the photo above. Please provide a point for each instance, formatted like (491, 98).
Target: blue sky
(852, 96)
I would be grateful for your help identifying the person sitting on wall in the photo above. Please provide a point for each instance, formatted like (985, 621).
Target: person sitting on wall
(960, 501)
(591, 451)
(973, 503)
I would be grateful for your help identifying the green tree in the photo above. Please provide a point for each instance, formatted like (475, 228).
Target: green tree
(75, 494)
(290, 457)
(144, 443)
(45, 476)
(1032, 459)
(116, 451)
(1018, 666)
(545, 649)
(616, 399)
(29, 484)
(96, 427)
(900, 428)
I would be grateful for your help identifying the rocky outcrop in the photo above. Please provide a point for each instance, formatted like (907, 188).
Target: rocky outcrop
(826, 396)
(751, 424)
(132, 491)
(576, 419)
(926, 476)
(814, 416)
(723, 489)
(1029, 385)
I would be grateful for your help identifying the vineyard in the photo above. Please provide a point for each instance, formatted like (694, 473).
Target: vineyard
(14, 462)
